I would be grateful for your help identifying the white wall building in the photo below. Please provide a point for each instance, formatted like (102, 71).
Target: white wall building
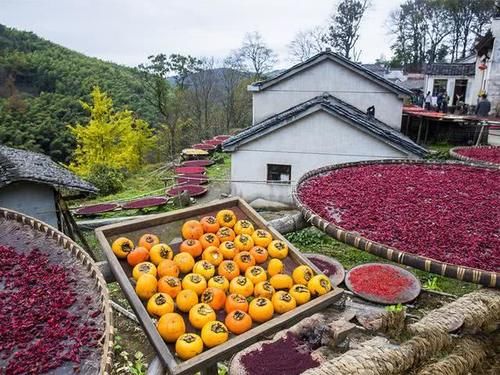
(329, 73)
(456, 79)
(471, 76)
(312, 115)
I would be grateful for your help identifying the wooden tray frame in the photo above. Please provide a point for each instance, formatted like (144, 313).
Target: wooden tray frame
(92, 271)
(223, 351)
(456, 155)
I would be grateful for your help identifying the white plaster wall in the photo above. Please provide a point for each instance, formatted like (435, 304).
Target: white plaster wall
(470, 95)
(311, 142)
(493, 71)
(333, 78)
(32, 199)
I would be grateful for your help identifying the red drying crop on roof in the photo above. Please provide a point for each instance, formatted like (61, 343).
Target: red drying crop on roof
(44, 322)
(191, 179)
(96, 209)
(379, 280)
(204, 146)
(190, 170)
(145, 202)
(196, 163)
(488, 154)
(193, 190)
(450, 213)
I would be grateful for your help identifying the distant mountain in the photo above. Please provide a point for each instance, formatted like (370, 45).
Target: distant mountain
(41, 84)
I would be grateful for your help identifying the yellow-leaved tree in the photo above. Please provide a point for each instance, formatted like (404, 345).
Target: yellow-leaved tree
(113, 140)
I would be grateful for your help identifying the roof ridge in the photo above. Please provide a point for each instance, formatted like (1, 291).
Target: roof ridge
(347, 111)
(346, 61)
(24, 165)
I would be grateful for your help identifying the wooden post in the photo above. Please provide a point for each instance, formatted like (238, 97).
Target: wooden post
(408, 122)
(478, 141)
(73, 229)
(426, 131)
(420, 129)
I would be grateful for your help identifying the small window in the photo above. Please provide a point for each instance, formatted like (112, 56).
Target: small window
(279, 173)
(439, 86)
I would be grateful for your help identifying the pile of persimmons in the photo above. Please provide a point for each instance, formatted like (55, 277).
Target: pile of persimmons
(222, 261)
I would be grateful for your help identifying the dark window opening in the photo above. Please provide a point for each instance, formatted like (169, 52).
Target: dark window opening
(439, 86)
(279, 173)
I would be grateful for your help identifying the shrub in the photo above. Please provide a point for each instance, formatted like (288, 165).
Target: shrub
(107, 180)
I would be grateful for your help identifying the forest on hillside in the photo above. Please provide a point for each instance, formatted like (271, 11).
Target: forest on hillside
(43, 86)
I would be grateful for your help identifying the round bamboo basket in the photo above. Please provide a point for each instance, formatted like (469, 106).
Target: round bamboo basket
(463, 273)
(454, 154)
(88, 265)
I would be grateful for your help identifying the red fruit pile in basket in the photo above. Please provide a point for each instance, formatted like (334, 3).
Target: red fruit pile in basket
(488, 154)
(446, 212)
(44, 323)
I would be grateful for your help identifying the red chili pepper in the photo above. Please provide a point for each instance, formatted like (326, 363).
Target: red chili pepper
(489, 154)
(445, 212)
(379, 280)
(43, 320)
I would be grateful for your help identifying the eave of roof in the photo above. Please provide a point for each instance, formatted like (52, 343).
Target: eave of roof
(451, 69)
(357, 68)
(20, 165)
(334, 107)
(485, 43)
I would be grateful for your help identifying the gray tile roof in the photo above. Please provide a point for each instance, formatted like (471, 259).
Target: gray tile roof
(451, 69)
(358, 68)
(335, 107)
(19, 165)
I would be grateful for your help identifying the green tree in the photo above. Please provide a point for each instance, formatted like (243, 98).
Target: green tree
(170, 102)
(111, 139)
(343, 31)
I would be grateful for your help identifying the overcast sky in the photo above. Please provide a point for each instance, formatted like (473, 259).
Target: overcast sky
(127, 31)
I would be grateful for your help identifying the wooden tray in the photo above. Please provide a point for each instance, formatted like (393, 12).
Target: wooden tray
(167, 226)
(38, 234)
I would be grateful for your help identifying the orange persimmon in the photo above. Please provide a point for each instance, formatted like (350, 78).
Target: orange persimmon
(170, 285)
(192, 247)
(212, 255)
(228, 249)
(238, 321)
(214, 297)
(209, 224)
(192, 230)
(225, 234)
(168, 267)
(209, 239)
(226, 218)
(138, 255)
(228, 269)
(243, 242)
(148, 240)
(259, 253)
(236, 302)
(244, 260)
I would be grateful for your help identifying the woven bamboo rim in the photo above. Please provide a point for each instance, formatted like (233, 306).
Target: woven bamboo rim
(454, 154)
(463, 273)
(93, 272)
